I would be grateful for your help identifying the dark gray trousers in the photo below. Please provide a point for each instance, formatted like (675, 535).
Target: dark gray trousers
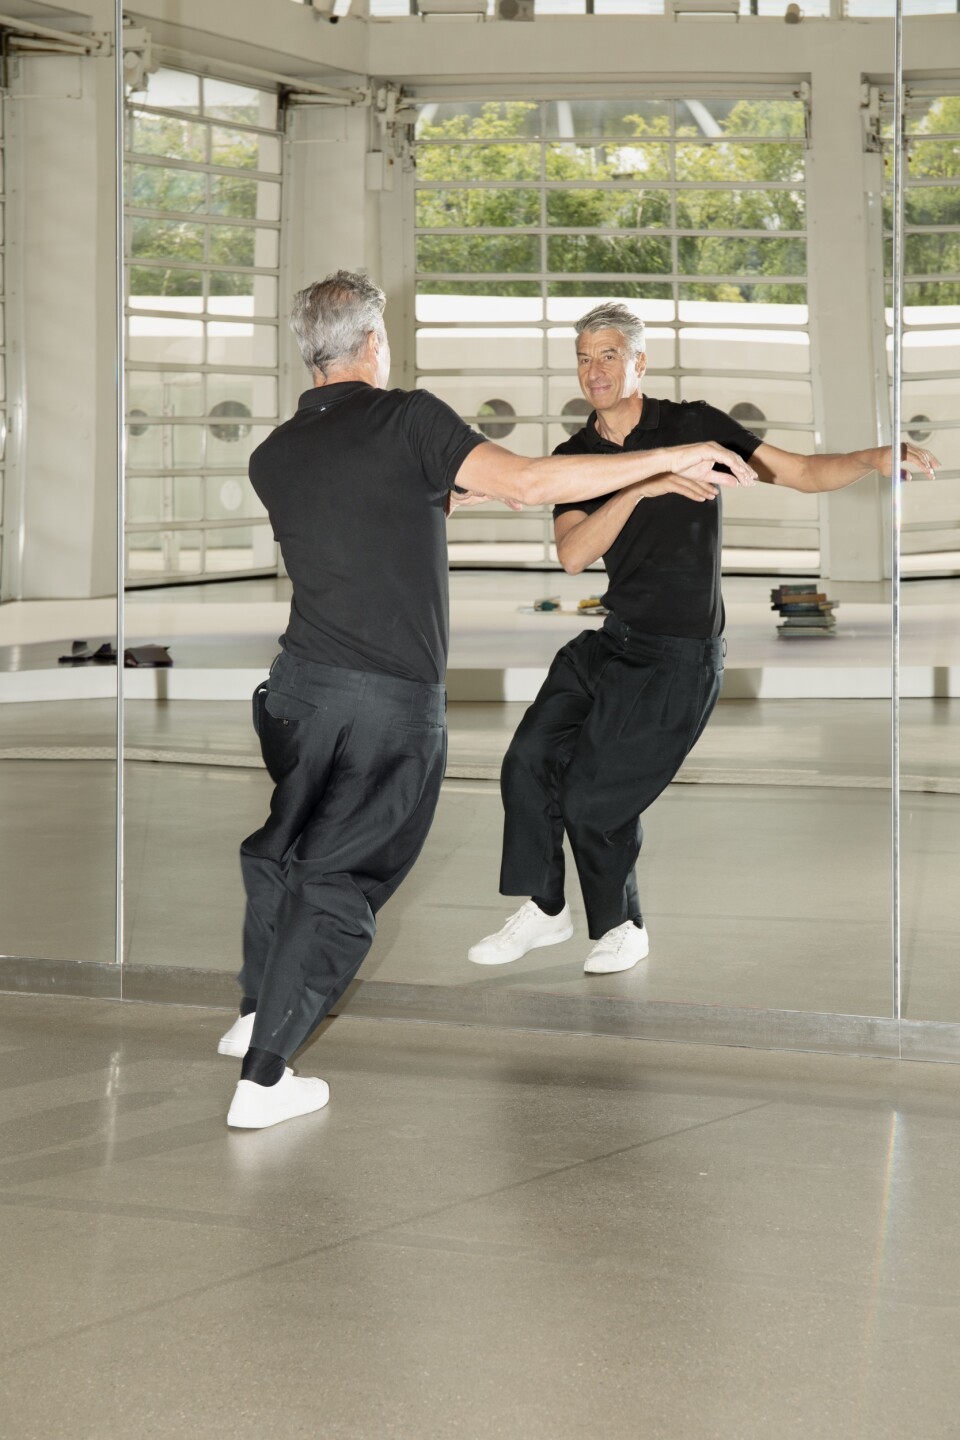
(357, 760)
(614, 720)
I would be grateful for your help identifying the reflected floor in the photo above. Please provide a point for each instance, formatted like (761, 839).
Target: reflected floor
(771, 896)
(485, 1235)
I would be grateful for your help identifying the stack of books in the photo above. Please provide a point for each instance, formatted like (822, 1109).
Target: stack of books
(807, 612)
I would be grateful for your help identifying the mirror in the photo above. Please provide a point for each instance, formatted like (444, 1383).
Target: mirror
(58, 449)
(929, 545)
(743, 220)
(203, 161)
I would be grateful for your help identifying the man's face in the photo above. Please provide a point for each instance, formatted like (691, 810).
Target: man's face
(606, 370)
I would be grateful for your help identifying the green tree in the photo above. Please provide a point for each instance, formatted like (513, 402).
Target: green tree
(629, 216)
(172, 190)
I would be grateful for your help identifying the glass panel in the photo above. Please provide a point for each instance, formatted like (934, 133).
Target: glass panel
(145, 499)
(250, 199)
(153, 187)
(231, 496)
(230, 344)
(766, 119)
(239, 103)
(244, 149)
(780, 400)
(743, 348)
(645, 162)
(167, 239)
(157, 340)
(442, 254)
(460, 301)
(721, 255)
(736, 163)
(239, 548)
(155, 392)
(468, 394)
(156, 288)
(58, 633)
(483, 119)
(476, 209)
(248, 245)
(741, 209)
(174, 90)
(576, 119)
(633, 209)
(163, 135)
(478, 162)
(600, 252)
(489, 349)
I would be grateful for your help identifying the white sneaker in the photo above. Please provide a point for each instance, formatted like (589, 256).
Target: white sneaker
(254, 1106)
(236, 1040)
(527, 930)
(620, 949)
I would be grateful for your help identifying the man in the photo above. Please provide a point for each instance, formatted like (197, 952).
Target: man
(623, 706)
(351, 720)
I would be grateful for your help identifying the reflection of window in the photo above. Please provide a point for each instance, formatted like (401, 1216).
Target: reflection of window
(235, 431)
(496, 429)
(920, 428)
(750, 416)
(203, 205)
(575, 408)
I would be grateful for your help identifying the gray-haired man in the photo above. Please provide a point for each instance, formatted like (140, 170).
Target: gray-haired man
(622, 707)
(351, 721)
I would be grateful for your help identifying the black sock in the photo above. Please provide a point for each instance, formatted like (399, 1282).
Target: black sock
(637, 920)
(549, 907)
(263, 1067)
(247, 1006)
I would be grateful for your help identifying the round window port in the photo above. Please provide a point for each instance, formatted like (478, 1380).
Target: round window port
(497, 419)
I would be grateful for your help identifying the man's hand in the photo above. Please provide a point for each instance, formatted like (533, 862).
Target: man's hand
(912, 457)
(472, 497)
(699, 462)
(689, 486)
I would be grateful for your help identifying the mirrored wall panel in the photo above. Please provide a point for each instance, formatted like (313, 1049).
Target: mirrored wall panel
(204, 603)
(930, 543)
(743, 219)
(58, 544)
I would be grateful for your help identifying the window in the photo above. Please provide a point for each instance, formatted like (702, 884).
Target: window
(692, 211)
(931, 342)
(203, 181)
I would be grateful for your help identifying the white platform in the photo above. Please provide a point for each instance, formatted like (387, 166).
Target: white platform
(500, 649)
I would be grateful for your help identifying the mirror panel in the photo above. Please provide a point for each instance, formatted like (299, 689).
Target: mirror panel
(747, 262)
(203, 207)
(58, 617)
(930, 542)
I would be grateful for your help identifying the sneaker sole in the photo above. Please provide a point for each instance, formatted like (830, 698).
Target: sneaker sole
(557, 939)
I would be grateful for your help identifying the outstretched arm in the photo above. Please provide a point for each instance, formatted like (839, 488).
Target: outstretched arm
(816, 473)
(558, 479)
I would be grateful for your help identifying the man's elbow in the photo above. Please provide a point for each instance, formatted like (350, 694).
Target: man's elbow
(570, 563)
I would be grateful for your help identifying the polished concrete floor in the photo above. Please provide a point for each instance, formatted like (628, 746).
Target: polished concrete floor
(486, 1234)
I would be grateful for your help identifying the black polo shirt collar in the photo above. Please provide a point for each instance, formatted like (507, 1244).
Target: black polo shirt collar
(320, 396)
(649, 420)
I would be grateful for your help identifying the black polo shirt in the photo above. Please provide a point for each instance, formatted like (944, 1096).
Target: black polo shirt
(664, 566)
(355, 485)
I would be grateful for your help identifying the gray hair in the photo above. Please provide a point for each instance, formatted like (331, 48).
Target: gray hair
(613, 316)
(333, 317)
